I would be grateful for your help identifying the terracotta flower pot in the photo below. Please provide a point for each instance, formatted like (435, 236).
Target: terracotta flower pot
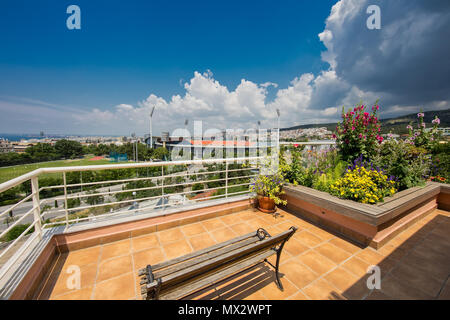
(265, 204)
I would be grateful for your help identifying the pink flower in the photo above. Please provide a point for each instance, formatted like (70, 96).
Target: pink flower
(436, 121)
(420, 115)
(296, 145)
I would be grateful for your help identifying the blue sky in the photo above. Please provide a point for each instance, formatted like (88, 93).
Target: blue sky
(127, 51)
(126, 48)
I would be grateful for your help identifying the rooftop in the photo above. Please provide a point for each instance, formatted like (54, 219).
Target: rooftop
(315, 263)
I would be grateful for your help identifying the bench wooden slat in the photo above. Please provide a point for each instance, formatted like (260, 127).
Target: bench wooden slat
(204, 257)
(201, 252)
(214, 276)
(182, 275)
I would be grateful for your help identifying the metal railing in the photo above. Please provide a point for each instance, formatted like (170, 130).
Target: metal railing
(219, 178)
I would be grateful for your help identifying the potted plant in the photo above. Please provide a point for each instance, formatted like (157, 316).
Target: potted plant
(268, 188)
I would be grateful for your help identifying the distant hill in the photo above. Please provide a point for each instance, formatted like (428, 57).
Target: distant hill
(396, 125)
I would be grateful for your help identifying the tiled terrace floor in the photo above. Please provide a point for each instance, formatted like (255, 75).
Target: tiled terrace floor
(315, 264)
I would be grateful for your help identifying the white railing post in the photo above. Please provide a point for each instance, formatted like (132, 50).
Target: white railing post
(36, 205)
(226, 179)
(65, 199)
(162, 187)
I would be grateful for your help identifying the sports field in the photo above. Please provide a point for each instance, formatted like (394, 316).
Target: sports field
(9, 173)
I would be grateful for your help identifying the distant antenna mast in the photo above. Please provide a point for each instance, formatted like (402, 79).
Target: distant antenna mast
(186, 122)
(151, 129)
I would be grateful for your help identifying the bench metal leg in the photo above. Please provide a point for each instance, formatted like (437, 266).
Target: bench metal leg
(277, 264)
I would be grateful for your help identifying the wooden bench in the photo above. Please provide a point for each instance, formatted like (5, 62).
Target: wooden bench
(179, 277)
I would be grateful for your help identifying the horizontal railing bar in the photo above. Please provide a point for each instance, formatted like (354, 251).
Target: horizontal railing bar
(154, 197)
(27, 176)
(17, 239)
(17, 204)
(141, 179)
(139, 209)
(17, 221)
(7, 266)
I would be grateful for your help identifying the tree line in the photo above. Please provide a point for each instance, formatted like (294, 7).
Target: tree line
(68, 149)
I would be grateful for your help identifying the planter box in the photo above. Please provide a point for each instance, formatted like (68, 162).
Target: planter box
(372, 225)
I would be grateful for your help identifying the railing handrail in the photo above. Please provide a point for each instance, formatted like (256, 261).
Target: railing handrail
(35, 173)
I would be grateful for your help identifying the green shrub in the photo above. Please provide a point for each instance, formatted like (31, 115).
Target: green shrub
(408, 163)
(16, 231)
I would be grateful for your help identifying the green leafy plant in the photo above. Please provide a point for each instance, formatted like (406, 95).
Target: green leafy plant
(269, 186)
(408, 163)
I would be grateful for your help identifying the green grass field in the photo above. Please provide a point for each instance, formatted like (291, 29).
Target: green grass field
(15, 171)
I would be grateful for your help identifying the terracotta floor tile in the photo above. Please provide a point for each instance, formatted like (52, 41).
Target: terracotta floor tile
(286, 225)
(80, 294)
(257, 295)
(115, 249)
(176, 249)
(247, 215)
(392, 252)
(149, 256)
(201, 241)
(272, 292)
(345, 245)
(370, 256)
(242, 228)
(316, 262)
(358, 290)
(299, 222)
(170, 235)
(378, 295)
(356, 266)
(84, 256)
(119, 288)
(298, 273)
(144, 242)
(332, 252)
(230, 219)
(298, 296)
(321, 233)
(114, 267)
(295, 247)
(438, 269)
(401, 290)
(417, 278)
(193, 229)
(224, 234)
(273, 231)
(341, 279)
(257, 223)
(307, 238)
(213, 224)
(322, 290)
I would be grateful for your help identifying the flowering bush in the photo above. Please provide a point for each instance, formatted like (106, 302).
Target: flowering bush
(364, 184)
(408, 163)
(269, 186)
(420, 137)
(358, 133)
